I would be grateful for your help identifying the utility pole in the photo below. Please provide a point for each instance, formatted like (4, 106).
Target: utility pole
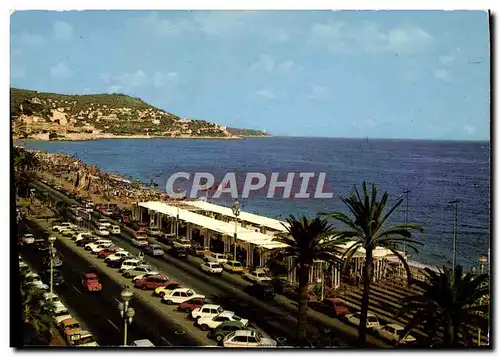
(455, 228)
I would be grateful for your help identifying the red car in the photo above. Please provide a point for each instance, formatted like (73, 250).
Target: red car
(151, 282)
(335, 307)
(90, 282)
(107, 251)
(191, 304)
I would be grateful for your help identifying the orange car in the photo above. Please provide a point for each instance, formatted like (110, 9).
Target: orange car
(71, 329)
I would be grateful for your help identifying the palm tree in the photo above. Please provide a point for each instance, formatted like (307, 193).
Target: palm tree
(451, 306)
(25, 164)
(305, 240)
(367, 229)
(37, 322)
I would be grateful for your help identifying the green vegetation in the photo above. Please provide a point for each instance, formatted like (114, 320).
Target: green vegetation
(25, 164)
(450, 305)
(366, 227)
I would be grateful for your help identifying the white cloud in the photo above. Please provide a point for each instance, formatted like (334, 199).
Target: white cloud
(267, 63)
(442, 74)
(162, 27)
(470, 129)
(266, 93)
(17, 72)
(61, 71)
(28, 39)
(132, 80)
(139, 78)
(219, 22)
(446, 60)
(63, 31)
(320, 92)
(342, 37)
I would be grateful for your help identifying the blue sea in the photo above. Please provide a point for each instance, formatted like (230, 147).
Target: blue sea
(436, 172)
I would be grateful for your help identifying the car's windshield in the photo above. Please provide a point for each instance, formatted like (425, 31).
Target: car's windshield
(372, 319)
(61, 313)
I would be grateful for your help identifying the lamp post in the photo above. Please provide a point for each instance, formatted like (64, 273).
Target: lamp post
(236, 212)
(126, 312)
(177, 225)
(455, 227)
(51, 240)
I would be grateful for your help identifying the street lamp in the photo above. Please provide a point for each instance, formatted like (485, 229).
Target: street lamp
(236, 212)
(51, 240)
(126, 312)
(455, 225)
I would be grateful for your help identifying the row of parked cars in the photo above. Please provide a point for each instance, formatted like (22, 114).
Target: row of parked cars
(69, 327)
(225, 327)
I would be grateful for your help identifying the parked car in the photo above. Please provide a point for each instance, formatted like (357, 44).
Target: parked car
(154, 232)
(102, 231)
(217, 258)
(62, 226)
(117, 263)
(107, 212)
(23, 267)
(261, 290)
(103, 222)
(211, 322)
(33, 279)
(196, 250)
(130, 264)
(138, 270)
(181, 243)
(257, 276)
(226, 328)
(68, 232)
(211, 267)
(163, 290)
(142, 276)
(58, 278)
(191, 304)
(206, 310)
(49, 298)
(59, 312)
(116, 230)
(71, 329)
(28, 239)
(233, 266)
(178, 296)
(106, 252)
(95, 243)
(154, 250)
(142, 343)
(248, 339)
(90, 282)
(140, 243)
(178, 252)
(355, 318)
(151, 282)
(86, 240)
(117, 256)
(393, 333)
(97, 248)
(81, 236)
(86, 340)
(332, 307)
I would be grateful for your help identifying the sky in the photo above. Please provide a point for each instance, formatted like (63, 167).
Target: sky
(376, 74)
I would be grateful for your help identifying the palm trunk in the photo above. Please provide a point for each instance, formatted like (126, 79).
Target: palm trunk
(367, 276)
(303, 297)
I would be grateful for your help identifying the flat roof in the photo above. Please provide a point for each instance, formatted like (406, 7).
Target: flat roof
(244, 216)
(212, 224)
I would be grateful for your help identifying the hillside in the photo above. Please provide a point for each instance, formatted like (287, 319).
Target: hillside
(79, 117)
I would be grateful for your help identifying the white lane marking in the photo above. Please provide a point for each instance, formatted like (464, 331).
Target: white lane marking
(167, 341)
(111, 322)
(78, 291)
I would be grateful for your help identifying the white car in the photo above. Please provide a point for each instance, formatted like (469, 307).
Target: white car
(28, 238)
(138, 270)
(371, 320)
(102, 231)
(178, 296)
(393, 333)
(154, 250)
(142, 343)
(206, 311)
(50, 298)
(130, 264)
(217, 258)
(103, 222)
(65, 225)
(117, 256)
(107, 212)
(96, 249)
(154, 232)
(33, 279)
(211, 267)
(257, 276)
(60, 313)
(143, 276)
(212, 322)
(82, 235)
(140, 243)
(116, 230)
(247, 339)
(86, 340)
(181, 243)
(91, 245)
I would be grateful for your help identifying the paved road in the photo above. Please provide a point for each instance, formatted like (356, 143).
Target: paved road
(99, 312)
(277, 318)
